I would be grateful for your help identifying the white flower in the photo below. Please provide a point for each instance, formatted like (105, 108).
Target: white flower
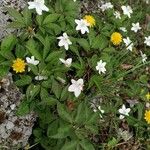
(128, 43)
(127, 10)
(40, 77)
(124, 111)
(144, 57)
(76, 87)
(147, 41)
(32, 60)
(106, 6)
(74, 0)
(82, 25)
(66, 62)
(123, 29)
(38, 5)
(135, 27)
(117, 14)
(64, 41)
(101, 110)
(101, 67)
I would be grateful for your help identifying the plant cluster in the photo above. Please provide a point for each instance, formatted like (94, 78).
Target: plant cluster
(85, 75)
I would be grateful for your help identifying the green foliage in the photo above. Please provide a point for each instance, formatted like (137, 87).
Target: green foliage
(66, 122)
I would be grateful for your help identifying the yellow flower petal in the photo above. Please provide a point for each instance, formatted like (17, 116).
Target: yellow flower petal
(116, 38)
(19, 65)
(90, 20)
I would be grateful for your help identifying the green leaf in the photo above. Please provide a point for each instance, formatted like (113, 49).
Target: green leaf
(80, 117)
(53, 27)
(51, 18)
(4, 71)
(63, 131)
(70, 145)
(100, 42)
(7, 46)
(33, 50)
(16, 24)
(15, 14)
(23, 108)
(27, 16)
(84, 44)
(86, 145)
(64, 94)
(56, 88)
(32, 91)
(54, 56)
(25, 80)
(63, 113)
(33, 68)
(112, 142)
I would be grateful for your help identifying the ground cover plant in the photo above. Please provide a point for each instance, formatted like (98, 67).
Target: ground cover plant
(85, 75)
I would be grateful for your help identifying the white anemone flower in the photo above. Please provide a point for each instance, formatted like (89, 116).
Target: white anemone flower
(31, 61)
(40, 77)
(128, 43)
(123, 29)
(135, 27)
(64, 41)
(101, 66)
(76, 87)
(38, 5)
(124, 111)
(117, 15)
(82, 25)
(147, 41)
(106, 6)
(144, 57)
(127, 10)
(66, 62)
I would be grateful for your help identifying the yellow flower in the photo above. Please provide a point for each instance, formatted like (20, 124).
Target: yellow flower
(116, 38)
(90, 20)
(19, 65)
(148, 96)
(147, 116)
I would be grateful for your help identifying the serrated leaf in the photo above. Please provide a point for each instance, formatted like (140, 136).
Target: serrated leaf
(51, 18)
(100, 42)
(23, 108)
(7, 46)
(15, 14)
(70, 145)
(33, 50)
(25, 80)
(84, 44)
(63, 113)
(86, 145)
(56, 88)
(54, 55)
(4, 71)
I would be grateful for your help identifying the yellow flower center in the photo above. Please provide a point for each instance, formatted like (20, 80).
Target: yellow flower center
(148, 96)
(18, 65)
(90, 20)
(147, 116)
(116, 38)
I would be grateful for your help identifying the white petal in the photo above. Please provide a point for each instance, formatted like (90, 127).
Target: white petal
(77, 92)
(71, 88)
